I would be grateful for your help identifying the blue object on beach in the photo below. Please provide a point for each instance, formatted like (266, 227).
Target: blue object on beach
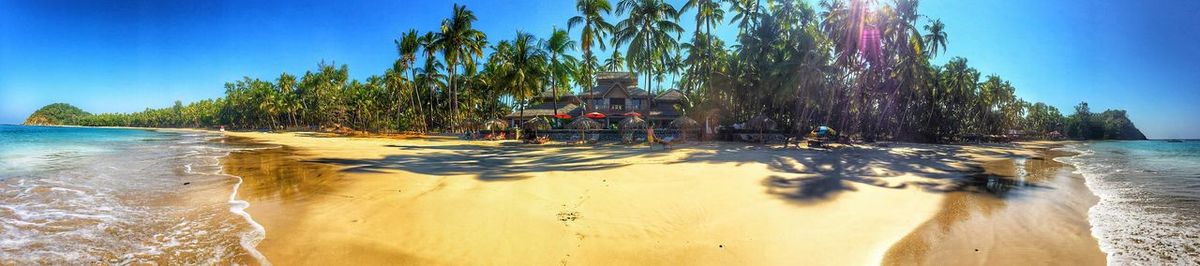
(822, 130)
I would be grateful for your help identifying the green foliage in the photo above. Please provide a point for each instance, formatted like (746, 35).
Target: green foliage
(56, 114)
(860, 66)
(1109, 125)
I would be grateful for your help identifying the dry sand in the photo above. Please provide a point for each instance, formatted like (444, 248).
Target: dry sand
(326, 200)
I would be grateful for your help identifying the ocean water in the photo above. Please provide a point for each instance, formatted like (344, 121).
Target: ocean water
(120, 196)
(1149, 209)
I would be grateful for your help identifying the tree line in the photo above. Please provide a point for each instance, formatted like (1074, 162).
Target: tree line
(861, 66)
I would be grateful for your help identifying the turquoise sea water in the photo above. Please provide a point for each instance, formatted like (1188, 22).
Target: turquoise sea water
(1149, 210)
(119, 196)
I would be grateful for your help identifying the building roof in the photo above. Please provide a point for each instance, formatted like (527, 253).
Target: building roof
(615, 75)
(564, 96)
(600, 91)
(547, 109)
(669, 95)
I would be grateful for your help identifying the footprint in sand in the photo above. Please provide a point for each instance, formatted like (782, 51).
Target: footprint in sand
(566, 216)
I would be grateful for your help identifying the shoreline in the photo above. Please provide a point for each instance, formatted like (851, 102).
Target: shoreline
(1041, 218)
(347, 187)
(238, 207)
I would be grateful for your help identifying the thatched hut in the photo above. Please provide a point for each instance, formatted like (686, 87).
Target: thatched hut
(685, 126)
(495, 124)
(583, 124)
(760, 123)
(630, 126)
(536, 124)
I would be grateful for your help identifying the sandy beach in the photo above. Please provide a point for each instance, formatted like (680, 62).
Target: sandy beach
(336, 200)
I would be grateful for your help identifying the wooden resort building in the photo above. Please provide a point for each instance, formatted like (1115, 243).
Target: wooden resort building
(615, 94)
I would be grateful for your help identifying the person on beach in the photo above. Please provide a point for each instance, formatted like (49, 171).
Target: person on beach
(650, 137)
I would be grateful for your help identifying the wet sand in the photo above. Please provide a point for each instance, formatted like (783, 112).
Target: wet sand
(1032, 211)
(326, 200)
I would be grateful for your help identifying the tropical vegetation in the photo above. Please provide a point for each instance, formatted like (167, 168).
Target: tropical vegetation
(865, 67)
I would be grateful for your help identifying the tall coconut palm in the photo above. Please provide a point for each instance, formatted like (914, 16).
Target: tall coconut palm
(745, 13)
(427, 44)
(936, 38)
(614, 62)
(460, 43)
(408, 46)
(708, 14)
(562, 65)
(595, 30)
(287, 87)
(526, 68)
(650, 29)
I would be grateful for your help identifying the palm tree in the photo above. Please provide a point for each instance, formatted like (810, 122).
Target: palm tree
(648, 31)
(526, 68)
(708, 14)
(287, 87)
(426, 43)
(562, 65)
(595, 30)
(936, 39)
(746, 13)
(460, 43)
(407, 47)
(614, 62)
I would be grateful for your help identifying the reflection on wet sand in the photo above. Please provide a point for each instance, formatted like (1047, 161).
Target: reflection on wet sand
(1017, 211)
(279, 185)
(274, 173)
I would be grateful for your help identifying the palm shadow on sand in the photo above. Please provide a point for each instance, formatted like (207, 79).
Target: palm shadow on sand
(802, 176)
(489, 163)
(813, 176)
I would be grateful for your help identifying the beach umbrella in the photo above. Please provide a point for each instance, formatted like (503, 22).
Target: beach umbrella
(584, 123)
(632, 113)
(633, 122)
(684, 124)
(536, 124)
(594, 115)
(495, 124)
(562, 116)
(629, 126)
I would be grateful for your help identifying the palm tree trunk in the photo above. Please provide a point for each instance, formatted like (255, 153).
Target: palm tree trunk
(554, 86)
(453, 101)
(416, 92)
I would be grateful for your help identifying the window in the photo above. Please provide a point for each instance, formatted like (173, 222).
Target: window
(598, 104)
(616, 104)
(635, 104)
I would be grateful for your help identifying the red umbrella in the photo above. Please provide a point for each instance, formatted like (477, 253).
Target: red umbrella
(594, 115)
(631, 113)
(562, 116)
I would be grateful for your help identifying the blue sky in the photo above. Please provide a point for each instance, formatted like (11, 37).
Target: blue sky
(122, 56)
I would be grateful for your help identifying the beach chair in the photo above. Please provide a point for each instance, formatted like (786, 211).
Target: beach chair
(574, 139)
(594, 139)
(666, 142)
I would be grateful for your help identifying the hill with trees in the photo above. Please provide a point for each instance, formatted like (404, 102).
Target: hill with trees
(1109, 125)
(863, 67)
(57, 114)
